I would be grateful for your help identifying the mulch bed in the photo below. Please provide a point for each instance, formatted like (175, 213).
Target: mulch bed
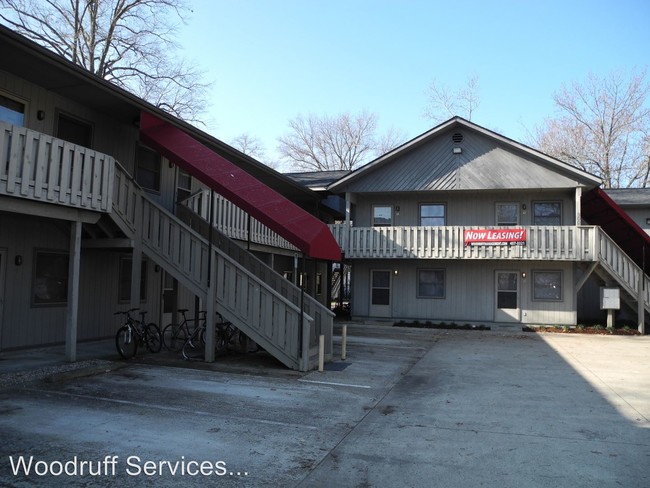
(442, 325)
(582, 330)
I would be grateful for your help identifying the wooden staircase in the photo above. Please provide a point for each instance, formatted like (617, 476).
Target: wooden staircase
(258, 301)
(614, 264)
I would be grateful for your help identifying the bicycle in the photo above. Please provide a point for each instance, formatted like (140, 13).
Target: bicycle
(175, 335)
(226, 336)
(134, 332)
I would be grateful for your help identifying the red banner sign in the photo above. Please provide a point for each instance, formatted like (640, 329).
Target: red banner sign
(495, 236)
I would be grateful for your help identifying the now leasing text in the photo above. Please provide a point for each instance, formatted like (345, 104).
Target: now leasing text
(111, 466)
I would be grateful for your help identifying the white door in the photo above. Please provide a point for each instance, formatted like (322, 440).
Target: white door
(3, 267)
(380, 294)
(507, 296)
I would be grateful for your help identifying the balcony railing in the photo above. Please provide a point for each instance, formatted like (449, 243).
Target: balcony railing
(568, 243)
(234, 222)
(43, 168)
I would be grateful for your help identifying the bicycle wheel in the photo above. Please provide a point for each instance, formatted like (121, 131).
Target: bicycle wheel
(174, 336)
(194, 347)
(220, 344)
(152, 337)
(126, 342)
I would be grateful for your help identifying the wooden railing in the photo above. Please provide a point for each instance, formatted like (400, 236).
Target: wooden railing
(622, 268)
(234, 222)
(271, 319)
(323, 317)
(572, 243)
(39, 167)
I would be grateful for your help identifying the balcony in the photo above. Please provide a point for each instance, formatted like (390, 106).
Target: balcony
(562, 243)
(42, 168)
(234, 222)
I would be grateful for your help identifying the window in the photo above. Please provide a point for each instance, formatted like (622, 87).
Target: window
(380, 289)
(183, 185)
(507, 214)
(507, 288)
(319, 283)
(12, 111)
(547, 285)
(74, 130)
(50, 281)
(148, 169)
(382, 215)
(431, 283)
(432, 214)
(547, 213)
(124, 287)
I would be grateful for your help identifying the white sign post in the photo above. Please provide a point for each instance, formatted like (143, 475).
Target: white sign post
(610, 300)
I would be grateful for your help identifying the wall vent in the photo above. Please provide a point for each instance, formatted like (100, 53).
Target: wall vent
(457, 138)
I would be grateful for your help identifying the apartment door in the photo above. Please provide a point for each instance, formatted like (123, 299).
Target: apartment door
(3, 268)
(507, 296)
(380, 293)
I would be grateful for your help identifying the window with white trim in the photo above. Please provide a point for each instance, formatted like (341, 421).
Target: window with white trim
(547, 286)
(12, 111)
(507, 214)
(74, 130)
(431, 283)
(148, 168)
(432, 214)
(547, 213)
(382, 215)
(50, 279)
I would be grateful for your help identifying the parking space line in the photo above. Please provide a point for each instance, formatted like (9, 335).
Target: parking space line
(333, 384)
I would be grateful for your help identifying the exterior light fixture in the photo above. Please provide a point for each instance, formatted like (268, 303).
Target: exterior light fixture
(18, 260)
(457, 150)
(40, 115)
(523, 275)
(395, 272)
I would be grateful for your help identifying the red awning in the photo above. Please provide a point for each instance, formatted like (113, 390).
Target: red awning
(282, 216)
(599, 209)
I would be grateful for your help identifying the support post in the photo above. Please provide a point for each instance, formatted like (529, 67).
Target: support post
(304, 346)
(74, 266)
(640, 301)
(136, 256)
(321, 353)
(344, 343)
(210, 307)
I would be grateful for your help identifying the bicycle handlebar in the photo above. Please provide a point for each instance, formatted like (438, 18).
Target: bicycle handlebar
(127, 312)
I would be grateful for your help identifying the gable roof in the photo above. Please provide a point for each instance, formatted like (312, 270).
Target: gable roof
(318, 180)
(428, 162)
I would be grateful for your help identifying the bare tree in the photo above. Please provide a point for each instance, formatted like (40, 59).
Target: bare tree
(443, 102)
(332, 143)
(249, 145)
(127, 42)
(602, 128)
(253, 147)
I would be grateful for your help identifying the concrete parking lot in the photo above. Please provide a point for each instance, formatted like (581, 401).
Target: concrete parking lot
(408, 407)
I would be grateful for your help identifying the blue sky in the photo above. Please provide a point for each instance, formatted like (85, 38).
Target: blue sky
(273, 60)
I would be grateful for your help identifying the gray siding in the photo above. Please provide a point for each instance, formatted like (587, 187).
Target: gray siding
(484, 163)
(24, 324)
(469, 291)
(110, 137)
(462, 208)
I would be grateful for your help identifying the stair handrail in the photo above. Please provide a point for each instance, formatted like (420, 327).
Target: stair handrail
(632, 286)
(200, 238)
